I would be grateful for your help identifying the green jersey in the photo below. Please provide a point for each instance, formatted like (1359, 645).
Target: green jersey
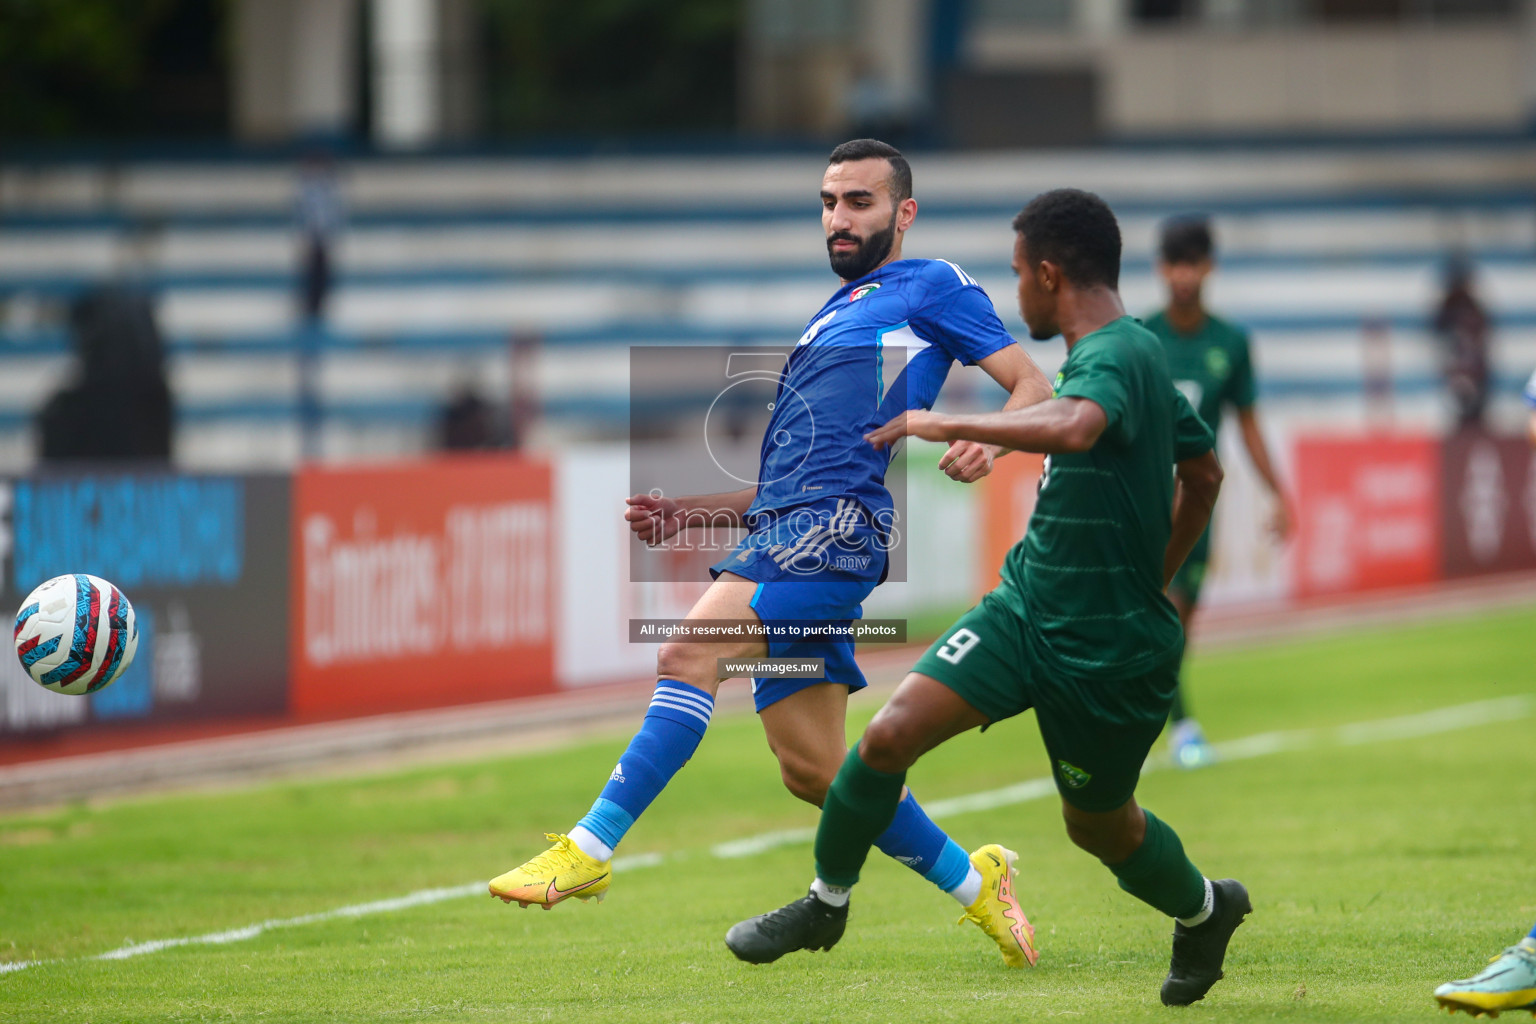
(1212, 367)
(1090, 567)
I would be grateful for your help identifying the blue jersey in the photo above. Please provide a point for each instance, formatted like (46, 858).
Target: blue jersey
(881, 345)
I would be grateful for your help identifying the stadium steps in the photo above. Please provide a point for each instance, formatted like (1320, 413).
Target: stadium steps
(445, 261)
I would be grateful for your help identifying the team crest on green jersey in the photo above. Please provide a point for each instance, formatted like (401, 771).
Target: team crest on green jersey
(1057, 383)
(1217, 363)
(863, 290)
(1072, 775)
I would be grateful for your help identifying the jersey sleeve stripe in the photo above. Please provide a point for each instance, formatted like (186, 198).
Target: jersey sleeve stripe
(962, 275)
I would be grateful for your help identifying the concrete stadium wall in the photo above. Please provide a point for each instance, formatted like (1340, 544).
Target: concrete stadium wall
(1214, 81)
(444, 261)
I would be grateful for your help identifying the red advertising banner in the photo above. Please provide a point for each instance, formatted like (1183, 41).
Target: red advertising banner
(1368, 513)
(1488, 504)
(423, 584)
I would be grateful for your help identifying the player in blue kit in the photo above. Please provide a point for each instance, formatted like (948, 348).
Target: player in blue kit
(819, 522)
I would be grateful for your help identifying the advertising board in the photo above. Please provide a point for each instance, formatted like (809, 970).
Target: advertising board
(422, 584)
(1488, 503)
(1368, 513)
(204, 559)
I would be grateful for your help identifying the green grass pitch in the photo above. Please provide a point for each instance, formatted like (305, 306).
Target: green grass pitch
(1380, 862)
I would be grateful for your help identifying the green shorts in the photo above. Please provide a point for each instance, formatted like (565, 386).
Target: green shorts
(1097, 732)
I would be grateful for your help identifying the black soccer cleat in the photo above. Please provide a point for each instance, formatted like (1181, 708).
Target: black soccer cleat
(807, 923)
(1199, 951)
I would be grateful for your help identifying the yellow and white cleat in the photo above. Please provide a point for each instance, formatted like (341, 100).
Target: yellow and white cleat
(997, 910)
(557, 874)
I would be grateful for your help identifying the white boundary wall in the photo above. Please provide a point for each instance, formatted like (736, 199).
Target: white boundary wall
(943, 549)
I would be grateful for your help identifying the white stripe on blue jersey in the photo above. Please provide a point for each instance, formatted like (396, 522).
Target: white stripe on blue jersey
(880, 346)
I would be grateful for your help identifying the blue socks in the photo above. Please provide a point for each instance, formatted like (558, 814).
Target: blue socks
(917, 842)
(671, 732)
(1532, 936)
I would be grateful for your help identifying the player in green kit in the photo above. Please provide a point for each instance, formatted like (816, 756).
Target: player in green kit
(1210, 362)
(1078, 629)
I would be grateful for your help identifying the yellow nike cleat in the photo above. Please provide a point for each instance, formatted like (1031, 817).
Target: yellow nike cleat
(560, 872)
(997, 910)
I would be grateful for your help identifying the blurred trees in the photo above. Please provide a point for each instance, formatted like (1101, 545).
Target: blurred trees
(72, 68)
(154, 69)
(558, 68)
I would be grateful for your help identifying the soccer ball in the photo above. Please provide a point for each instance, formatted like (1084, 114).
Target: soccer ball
(76, 634)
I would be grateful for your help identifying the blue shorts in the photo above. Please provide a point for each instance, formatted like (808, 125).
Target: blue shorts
(812, 564)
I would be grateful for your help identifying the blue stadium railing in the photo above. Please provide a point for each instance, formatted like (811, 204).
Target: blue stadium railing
(62, 285)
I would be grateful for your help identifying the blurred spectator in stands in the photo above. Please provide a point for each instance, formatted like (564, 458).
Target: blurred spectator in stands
(320, 220)
(1461, 327)
(467, 423)
(119, 404)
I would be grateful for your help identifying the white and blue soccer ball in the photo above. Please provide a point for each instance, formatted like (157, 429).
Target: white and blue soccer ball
(76, 634)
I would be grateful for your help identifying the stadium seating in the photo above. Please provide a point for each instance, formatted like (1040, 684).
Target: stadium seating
(445, 261)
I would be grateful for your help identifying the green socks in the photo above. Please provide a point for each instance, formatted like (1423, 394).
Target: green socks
(860, 806)
(862, 802)
(1158, 873)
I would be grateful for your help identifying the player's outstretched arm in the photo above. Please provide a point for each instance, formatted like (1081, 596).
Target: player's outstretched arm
(1026, 383)
(1197, 481)
(1055, 427)
(653, 518)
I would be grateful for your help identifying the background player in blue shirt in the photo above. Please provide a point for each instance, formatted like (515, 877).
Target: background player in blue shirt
(819, 519)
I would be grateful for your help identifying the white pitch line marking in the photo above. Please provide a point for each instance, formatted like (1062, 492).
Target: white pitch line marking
(1464, 716)
(1428, 723)
(762, 843)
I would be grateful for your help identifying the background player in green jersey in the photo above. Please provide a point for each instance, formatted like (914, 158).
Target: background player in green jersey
(1211, 364)
(1078, 629)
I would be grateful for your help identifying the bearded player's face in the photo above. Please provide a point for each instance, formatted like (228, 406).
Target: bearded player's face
(860, 216)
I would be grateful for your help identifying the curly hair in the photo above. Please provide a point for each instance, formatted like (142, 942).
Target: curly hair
(1075, 230)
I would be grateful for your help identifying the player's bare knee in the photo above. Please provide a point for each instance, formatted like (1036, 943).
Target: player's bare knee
(890, 744)
(805, 779)
(1110, 837)
(1086, 838)
(687, 663)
